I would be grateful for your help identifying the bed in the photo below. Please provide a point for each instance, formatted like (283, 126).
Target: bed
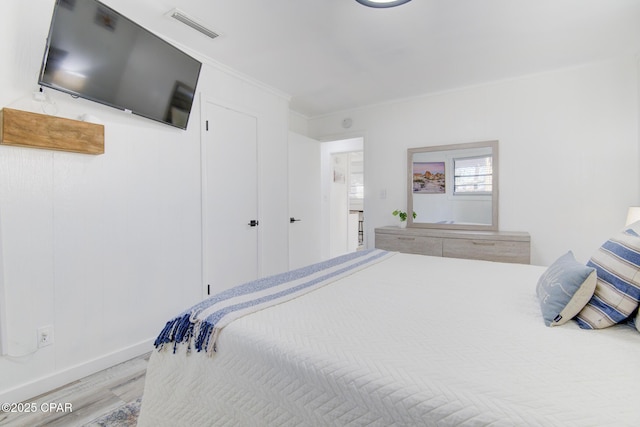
(402, 340)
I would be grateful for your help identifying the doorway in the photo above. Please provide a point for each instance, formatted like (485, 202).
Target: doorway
(343, 189)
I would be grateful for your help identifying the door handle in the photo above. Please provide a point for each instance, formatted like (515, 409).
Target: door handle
(292, 220)
(253, 223)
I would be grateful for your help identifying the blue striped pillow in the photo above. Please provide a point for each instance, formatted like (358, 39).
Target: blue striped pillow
(617, 264)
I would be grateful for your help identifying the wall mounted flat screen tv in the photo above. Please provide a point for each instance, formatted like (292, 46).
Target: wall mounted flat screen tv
(93, 52)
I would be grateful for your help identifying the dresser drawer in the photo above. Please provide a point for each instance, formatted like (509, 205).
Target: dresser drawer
(502, 246)
(410, 244)
(490, 250)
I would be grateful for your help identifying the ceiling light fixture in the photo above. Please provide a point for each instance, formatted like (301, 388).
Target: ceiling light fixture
(382, 3)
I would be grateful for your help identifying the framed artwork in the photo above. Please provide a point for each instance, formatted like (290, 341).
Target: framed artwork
(339, 170)
(428, 178)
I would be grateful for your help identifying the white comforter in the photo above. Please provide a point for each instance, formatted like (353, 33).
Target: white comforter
(410, 341)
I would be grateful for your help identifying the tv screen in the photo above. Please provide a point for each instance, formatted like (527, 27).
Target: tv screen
(93, 52)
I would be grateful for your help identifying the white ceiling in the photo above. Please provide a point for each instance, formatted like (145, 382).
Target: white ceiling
(332, 55)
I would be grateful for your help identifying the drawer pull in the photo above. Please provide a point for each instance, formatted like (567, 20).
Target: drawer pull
(407, 238)
(480, 243)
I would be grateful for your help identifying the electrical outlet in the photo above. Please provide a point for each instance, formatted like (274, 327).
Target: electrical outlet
(45, 336)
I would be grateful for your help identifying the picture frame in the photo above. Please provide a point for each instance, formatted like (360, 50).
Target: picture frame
(429, 178)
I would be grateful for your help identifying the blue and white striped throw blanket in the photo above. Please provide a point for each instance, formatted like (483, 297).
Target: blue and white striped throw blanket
(200, 326)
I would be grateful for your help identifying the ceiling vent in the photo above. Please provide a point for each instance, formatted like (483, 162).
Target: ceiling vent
(187, 20)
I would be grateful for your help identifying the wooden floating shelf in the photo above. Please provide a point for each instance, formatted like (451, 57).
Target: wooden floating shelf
(34, 130)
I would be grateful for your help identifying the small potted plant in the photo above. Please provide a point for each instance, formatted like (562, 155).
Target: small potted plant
(403, 217)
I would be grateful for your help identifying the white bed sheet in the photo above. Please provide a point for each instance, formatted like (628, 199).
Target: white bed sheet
(413, 340)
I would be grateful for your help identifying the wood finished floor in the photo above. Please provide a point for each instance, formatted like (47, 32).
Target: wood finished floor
(91, 397)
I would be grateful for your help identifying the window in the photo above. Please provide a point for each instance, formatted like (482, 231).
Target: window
(473, 175)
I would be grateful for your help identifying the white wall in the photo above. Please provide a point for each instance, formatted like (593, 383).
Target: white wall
(107, 248)
(568, 150)
(298, 123)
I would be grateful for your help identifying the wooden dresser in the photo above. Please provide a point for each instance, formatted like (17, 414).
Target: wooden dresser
(503, 246)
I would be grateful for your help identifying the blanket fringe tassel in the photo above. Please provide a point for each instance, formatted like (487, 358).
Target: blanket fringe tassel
(183, 330)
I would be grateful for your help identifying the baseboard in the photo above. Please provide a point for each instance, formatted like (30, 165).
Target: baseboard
(50, 382)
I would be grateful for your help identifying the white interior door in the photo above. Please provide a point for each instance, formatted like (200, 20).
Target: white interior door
(305, 200)
(230, 198)
(339, 205)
